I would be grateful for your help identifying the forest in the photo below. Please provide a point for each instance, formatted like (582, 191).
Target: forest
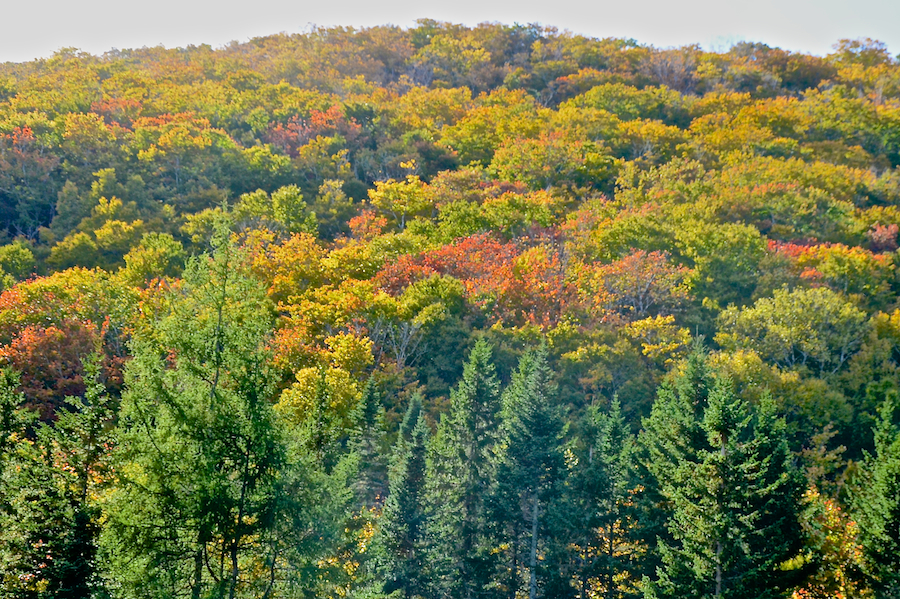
(450, 312)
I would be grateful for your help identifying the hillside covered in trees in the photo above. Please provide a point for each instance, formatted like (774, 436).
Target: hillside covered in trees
(451, 313)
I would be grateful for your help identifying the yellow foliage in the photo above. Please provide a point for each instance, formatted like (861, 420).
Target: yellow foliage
(400, 199)
(661, 339)
(297, 400)
(350, 352)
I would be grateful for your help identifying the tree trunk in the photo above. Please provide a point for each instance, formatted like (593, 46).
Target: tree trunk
(532, 587)
(198, 571)
(234, 570)
(719, 568)
(723, 451)
(514, 569)
(610, 553)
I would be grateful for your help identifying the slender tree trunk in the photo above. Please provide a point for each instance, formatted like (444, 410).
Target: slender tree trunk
(198, 570)
(236, 541)
(532, 587)
(585, 546)
(234, 569)
(514, 570)
(719, 568)
(610, 552)
(719, 548)
(271, 583)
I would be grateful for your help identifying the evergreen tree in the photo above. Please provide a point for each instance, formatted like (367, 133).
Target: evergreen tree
(401, 530)
(670, 436)
(730, 501)
(461, 471)
(367, 441)
(313, 549)
(876, 504)
(200, 457)
(49, 519)
(338, 462)
(321, 432)
(529, 472)
(596, 517)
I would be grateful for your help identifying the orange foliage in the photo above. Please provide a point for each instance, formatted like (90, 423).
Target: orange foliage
(833, 536)
(50, 362)
(117, 110)
(367, 225)
(298, 131)
(508, 283)
(638, 285)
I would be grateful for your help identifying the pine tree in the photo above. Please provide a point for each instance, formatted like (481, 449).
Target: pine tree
(530, 469)
(461, 471)
(876, 504)
(401, 529)
(730, 500)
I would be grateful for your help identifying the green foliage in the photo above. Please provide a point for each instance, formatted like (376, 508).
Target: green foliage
(49, 481)
(284, 209)
(875, 504)
(398, 194)
(595, 522)
(157, 255)
(400, 199)
(17, 259)
(368, 443)
(400, 539)
(813, 328)
(530, 469)
(730, 494)
(460, 473)
(199, 458)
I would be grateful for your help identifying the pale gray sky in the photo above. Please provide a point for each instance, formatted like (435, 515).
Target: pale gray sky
(37, 28)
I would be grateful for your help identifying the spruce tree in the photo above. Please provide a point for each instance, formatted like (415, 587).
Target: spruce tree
(530, 469)
(876, 504)
(461, 471)
(730, 500)
(671, 435)
(595, 520)
(330, 468)
(367, 440)
(401, 529)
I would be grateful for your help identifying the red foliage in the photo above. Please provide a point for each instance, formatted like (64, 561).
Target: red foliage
(298, 132)
(507, 283)
(117, 110)
(49, 327)
(790, 249)
(50, 362)
(479, 261)
(883, 238)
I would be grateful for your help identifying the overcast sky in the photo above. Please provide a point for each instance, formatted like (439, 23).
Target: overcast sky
(37, 28)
